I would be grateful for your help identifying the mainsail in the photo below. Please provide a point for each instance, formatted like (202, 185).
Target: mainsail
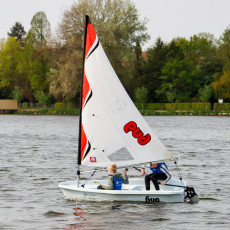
(110, 123)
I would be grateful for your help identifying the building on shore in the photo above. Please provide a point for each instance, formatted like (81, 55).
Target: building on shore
(8, 105)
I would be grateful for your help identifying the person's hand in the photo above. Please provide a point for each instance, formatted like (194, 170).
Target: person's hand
(163, 183)
(99, 186)
(143, 171)
(125, 171)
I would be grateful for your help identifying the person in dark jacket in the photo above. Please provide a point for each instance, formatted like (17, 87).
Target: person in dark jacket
(159, 172)
(115, 179)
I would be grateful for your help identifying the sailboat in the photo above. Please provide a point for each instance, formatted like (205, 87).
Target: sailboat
(111, 126)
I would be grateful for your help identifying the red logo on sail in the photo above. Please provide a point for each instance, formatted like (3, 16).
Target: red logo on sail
(93, 159)
(137, 133)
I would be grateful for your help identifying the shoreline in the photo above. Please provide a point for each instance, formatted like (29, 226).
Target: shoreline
(76, 112)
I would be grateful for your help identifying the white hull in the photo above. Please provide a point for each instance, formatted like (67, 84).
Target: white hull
(134, 191)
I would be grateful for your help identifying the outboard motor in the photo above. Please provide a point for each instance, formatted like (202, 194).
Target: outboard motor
(191, 195)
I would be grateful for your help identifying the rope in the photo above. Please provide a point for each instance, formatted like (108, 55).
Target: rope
(83, 185)
(178, 170)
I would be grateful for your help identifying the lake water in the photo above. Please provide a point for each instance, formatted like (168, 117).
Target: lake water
(38, 152)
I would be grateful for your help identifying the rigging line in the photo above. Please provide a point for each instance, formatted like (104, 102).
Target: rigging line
(177, 168)
(83, 185)
(93, 170)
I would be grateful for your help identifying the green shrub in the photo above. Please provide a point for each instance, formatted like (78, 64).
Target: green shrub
(141, 95)
(177, 106)
(60, 105)
(200, 106)
(43, 111)
(187, 106)
(71, 105)
(155, 106)
(169, 106)
(138, 105)
(25, 105)
(222, 106)
(44, 98)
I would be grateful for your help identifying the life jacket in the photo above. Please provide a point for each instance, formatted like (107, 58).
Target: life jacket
(158, 169)
(117, 183)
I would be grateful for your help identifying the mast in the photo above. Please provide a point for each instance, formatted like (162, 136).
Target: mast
(80, 117)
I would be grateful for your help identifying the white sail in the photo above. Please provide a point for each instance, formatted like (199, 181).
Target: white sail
(110, 121)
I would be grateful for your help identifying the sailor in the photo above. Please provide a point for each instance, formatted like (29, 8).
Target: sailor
(159, 172)
(115, 179)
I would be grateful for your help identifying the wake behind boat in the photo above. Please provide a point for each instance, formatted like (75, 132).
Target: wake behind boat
(111, 125)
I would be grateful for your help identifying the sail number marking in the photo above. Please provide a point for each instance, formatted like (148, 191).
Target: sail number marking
(137, 133)
(151, 199)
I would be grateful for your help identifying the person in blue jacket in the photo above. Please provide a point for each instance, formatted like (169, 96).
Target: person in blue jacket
(159, 171)
(115, 179)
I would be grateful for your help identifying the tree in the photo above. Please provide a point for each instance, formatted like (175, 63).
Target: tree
(190, 64)
(116, 22)
(183, 76)
(17, 95)
(64, 76)
(202, 50)
(37, 39)
(118, 26)
(156, 59)
(43, 98)
(174, 51)
(17, 31)
(141, 95)
(224, 49)
(205, 93)
(9, 59)
(15, 67)
(26, 68)
(138, 63)
(40, 31)
(171, 94)
(222, 86)
(55, 86)
(63, 83)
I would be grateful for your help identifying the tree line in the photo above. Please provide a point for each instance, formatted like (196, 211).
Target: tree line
(42, 68)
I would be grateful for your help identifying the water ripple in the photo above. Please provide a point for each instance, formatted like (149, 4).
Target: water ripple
(38, 152)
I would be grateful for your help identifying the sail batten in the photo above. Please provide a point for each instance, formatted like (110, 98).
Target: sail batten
(109, 119)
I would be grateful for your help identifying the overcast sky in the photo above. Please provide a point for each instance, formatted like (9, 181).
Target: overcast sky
(167, 18)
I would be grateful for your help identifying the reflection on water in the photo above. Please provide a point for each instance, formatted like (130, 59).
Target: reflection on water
(38, 152)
